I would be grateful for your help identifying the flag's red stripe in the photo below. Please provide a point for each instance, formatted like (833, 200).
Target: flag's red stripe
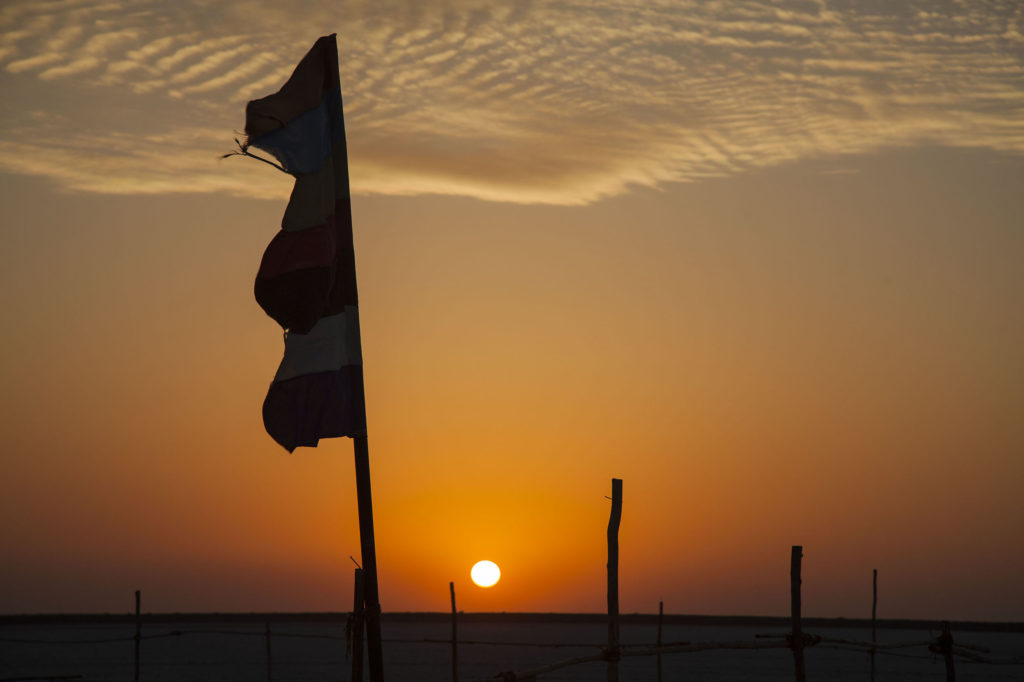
(313, 247)
(306, 88)
(299, 292)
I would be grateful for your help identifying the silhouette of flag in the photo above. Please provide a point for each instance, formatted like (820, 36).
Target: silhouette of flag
(307, 278)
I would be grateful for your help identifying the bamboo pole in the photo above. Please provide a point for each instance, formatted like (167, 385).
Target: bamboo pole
(270, 655)
(375, 653)
(661, 615)
(358, 612)
(797, 635)
(455, 637)
(138, 631)
(874, 608)
(613, 653)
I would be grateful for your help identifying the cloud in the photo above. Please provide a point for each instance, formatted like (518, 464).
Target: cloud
(29, 63)
(553, 102)
(75, 67)
(177, 161)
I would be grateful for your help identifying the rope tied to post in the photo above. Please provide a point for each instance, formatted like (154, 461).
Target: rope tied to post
(943, 643)
(806, 640)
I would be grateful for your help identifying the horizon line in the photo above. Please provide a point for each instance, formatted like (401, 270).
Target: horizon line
(510, 616)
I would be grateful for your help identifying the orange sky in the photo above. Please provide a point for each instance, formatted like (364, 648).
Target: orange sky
(775, 334)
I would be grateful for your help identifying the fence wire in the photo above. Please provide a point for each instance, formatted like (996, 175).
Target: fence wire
(965, 653)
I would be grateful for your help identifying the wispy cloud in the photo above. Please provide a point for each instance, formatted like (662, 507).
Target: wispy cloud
(71, 68)
(532, 102)
(29, 63)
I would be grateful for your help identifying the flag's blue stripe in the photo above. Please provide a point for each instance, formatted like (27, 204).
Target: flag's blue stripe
(302, 145)
(306, 408)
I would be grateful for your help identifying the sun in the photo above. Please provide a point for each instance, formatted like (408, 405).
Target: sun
(485, 573)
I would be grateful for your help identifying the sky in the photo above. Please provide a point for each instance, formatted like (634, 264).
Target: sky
(762, 261)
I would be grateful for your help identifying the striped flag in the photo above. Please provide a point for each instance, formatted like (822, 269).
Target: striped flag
(307, 278)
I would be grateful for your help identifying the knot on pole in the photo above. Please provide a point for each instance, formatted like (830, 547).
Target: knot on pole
(805, 640)
(943, 644)
(611, 653)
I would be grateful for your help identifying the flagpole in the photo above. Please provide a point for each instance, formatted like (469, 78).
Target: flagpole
(297, 415)
(361, 449)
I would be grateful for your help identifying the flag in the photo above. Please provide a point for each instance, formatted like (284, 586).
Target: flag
(307, 278)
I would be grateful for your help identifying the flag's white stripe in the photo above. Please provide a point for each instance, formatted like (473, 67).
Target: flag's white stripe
(331, 344)
(312, 198)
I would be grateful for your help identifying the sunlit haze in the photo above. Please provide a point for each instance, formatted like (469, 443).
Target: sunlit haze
(762, 261)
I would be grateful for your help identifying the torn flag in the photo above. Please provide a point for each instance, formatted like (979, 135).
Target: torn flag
(307, 278)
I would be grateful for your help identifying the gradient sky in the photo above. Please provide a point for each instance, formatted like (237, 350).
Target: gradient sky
(763, 261)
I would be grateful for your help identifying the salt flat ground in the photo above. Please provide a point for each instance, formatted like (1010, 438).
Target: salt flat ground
(315, 652)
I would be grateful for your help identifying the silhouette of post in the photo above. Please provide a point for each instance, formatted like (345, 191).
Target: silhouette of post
(270, 656)
(661, 614)
(369, 552)
(797, 636)
(612, 653)
(946, 644)
(357, 626)
(138, 630)
(874, 607)
(455, 637)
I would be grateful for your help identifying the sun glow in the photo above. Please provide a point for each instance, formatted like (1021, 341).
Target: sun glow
(485, 573)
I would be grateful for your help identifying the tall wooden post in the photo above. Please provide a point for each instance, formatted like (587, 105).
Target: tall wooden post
(874, 608)
(138, 630)
(613, 581)
(946, 644)
(358, 623)
(797, 635)
(270, 653)
(375, 653)
(661, 614)
(455, 637)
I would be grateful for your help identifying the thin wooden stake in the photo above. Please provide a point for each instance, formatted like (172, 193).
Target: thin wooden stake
(874, 608)
(375, 653)
(138, 631)
(455, 637)
(358, 623)
(661, 615)
(946, 643)
(797, 634)
(613, 654)
(270, 656)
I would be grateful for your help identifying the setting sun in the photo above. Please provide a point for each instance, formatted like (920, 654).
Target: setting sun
(485, 573)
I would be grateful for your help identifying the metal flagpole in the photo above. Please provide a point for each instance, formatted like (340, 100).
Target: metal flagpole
(372, 596)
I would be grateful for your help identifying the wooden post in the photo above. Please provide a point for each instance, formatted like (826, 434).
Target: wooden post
(612, 652)
(357, 626)
(270, 657)
(138, 630)
(455, 637)
(661, 614)
(946, 644)
(361, 449)
(874, 607)
(797, 636)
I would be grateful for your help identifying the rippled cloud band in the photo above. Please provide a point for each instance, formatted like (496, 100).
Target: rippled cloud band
(556, 102)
